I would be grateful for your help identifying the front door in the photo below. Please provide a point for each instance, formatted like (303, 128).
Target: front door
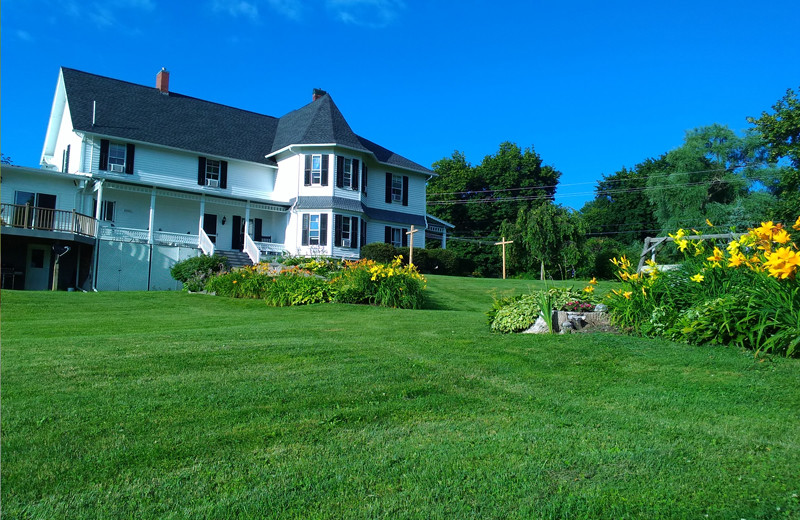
(210, 226)
(237, 239)
(37, 268)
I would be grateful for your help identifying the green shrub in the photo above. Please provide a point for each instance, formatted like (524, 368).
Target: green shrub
(379, 252)
(194, 272)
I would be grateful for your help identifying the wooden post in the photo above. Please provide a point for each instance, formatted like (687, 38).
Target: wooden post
(410, 234)
(55, 273)
(503, 243)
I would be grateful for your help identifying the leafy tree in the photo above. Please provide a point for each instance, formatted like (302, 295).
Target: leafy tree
(621, 208)
(4, 159)
(477, 199)
(780, 131)
(712, 170)
(548, 235)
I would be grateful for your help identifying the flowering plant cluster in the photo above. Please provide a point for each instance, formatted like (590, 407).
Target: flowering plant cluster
(578, 306)
(364, 281)
(744, 292)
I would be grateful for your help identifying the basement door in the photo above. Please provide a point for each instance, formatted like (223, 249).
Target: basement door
(37, 268)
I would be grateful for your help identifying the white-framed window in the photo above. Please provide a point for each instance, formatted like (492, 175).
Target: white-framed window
(346, 232)
(316, 169)
(213, 169)
(313, 230)
(107, 210)
(397, 188)
(347, 172)
(116, 157)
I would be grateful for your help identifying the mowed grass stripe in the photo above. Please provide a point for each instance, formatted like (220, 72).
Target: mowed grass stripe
(170, 405)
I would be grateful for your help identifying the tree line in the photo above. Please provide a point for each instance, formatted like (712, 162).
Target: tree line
(734, 181)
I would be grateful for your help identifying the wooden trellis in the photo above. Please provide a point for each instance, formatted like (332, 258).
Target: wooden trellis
(652, 244)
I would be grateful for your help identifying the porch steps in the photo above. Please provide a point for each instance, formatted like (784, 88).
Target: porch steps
(235, 258)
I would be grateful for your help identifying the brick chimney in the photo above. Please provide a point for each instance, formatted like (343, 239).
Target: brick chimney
(317, 94)
(162, 80)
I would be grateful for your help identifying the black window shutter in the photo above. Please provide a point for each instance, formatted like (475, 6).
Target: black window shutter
(258, 226)
(129, 153)
(388, 187)
(307, 177)
(405, 190)
(325, 160)
(388, 235)
(103, 154)
(363, 232)
(356, 173)
(364, 179)
(339, 171)
(404, 237)
(201, 171)
(223, 174)
(337, 230)
(354, 232)
(304, 240)
(323, 229)
(66, 158)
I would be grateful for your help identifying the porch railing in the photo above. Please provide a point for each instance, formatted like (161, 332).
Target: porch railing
(251, 249)
(269, 248)
(206, 245)
(142, 236)
(25, 216)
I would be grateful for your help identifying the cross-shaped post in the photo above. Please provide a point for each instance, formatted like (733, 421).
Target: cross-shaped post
(503, 243)
(410, 234)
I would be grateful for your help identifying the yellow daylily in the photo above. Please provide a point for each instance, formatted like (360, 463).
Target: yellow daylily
(796, 225)
(717, 256)
(697, 278)
(588, 289)
(736, 260)
(783, 263)
(593, 281)
(709, 224)
(781, 236)
(627, 294)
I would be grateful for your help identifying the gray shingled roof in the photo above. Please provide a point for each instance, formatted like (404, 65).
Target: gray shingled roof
(138, 113)
(313, 202)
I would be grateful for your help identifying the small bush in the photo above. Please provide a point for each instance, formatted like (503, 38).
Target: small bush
(392, 285)
(194, 272)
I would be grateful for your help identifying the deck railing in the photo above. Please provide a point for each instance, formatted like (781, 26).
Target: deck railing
(25, 216)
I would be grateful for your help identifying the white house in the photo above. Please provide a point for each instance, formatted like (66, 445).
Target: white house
(136, 178)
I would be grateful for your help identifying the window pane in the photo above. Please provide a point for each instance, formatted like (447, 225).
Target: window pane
(116, 154)
(316, 162)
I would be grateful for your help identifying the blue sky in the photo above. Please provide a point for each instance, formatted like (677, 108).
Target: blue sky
(592, 86)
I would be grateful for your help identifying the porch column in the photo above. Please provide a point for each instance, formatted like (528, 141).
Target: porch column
(99, 204)
(152, 215)
(444, 237)
(202, 210)
(246, 218)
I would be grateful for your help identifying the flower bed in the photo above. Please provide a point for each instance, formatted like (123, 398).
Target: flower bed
(321, 281)
(743, 293)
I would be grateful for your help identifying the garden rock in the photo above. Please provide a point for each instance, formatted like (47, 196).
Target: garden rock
(565, 322)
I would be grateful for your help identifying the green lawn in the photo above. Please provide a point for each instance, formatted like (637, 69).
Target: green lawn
(171, 405)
